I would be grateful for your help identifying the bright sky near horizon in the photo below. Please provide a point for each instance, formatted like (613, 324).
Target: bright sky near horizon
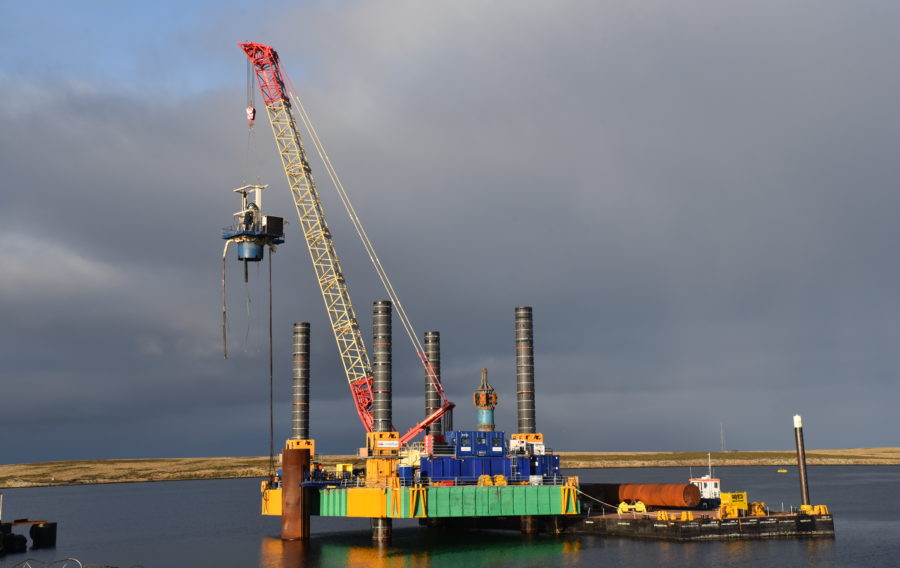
(698, 200)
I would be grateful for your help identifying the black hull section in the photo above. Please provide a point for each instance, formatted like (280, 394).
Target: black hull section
(744, 528)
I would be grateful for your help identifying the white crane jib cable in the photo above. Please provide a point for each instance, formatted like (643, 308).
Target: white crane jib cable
(367, 243)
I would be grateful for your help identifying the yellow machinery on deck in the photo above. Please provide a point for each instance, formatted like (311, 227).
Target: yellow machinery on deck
(633, 507)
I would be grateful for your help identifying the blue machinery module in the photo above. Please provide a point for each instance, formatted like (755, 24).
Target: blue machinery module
(468, 443)
(471, 455)
(540, 469)
(477, 453)
(252, 231)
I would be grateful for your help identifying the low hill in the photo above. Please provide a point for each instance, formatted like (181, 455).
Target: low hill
(172, 469)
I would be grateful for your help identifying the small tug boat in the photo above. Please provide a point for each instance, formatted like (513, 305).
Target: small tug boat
(710, 487)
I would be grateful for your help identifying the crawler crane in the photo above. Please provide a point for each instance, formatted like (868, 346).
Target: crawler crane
(277, 97)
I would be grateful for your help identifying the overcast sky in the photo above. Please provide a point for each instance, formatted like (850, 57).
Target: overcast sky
(698, 199)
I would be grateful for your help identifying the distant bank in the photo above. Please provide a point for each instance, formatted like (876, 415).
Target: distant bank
(173, 469)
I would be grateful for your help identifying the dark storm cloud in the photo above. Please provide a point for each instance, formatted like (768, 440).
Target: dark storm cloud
(697, 200)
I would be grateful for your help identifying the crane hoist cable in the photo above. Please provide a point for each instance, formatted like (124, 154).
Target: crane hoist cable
(251, 116)
(246, 340)
(251, 158)
(251, 93)
(224, 304)
(271, 378)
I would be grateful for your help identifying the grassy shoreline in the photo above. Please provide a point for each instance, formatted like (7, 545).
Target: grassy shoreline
(175, 469)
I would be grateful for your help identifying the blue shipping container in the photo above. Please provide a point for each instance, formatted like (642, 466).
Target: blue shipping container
(475, 443)
(439, 468)
(546, 466)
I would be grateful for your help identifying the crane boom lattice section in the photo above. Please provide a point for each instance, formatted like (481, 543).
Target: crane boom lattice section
(315, 228)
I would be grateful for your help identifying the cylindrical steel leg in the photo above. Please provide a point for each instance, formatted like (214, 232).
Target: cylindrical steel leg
(300, 393)
(381, 366)
(432, 398)
(528, 524)
(555, 526)
(801, 459)
(381, 529)
(525, 415)
(294, 509)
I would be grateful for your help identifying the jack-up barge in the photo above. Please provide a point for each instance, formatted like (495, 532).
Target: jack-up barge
(472, 478)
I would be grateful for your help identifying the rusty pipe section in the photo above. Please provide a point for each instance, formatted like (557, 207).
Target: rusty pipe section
(651, 494)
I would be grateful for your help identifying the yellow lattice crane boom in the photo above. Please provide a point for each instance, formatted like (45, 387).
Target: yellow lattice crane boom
(324, 258)
(327, 266)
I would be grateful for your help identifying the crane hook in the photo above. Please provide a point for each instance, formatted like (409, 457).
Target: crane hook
(251, 114)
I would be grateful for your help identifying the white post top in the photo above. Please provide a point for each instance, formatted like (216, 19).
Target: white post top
(798, 422)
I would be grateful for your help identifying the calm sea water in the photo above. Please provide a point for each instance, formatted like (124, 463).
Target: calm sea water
(216, 523)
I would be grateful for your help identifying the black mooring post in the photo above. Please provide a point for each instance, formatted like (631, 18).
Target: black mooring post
(801, 459)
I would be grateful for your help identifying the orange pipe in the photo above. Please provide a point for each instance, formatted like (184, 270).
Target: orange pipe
(661, 494)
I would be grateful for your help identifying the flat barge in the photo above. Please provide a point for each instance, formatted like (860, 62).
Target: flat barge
(649, 526)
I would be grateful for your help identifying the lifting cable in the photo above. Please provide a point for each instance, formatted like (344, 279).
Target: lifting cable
(364, 237)
(251, 115)
(249, 153)
(251, 157)
(224, 305)
(251, 84)
(251, 97)
(271, 377)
